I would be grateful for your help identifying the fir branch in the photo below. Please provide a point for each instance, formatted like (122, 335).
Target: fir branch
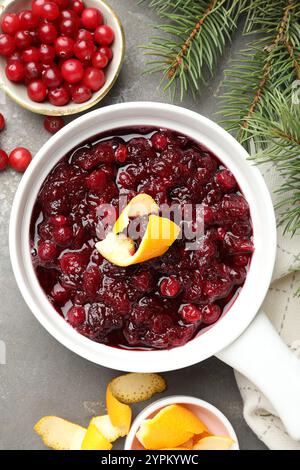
(270, 62)
(188, 42)
(194, 36)
(282, 129)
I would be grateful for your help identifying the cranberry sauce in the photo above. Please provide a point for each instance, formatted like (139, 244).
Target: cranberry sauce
(161, 303)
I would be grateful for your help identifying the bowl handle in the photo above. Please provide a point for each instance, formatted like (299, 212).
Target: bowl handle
(261, 355)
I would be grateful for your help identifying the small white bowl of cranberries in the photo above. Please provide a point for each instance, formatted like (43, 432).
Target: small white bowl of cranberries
(59, 57)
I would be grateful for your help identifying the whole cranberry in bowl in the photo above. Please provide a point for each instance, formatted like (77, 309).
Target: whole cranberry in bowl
(38, 34)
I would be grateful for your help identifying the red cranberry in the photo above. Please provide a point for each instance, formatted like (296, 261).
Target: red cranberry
(2, 122)
(32, 70)
(58, 220)
(59, 294)
(15, 57)
(241, 260)
(63, 235)
(72, 71)
(238, 245)
(47, 54)
(59, 96)
(121, 153)
(210, 313)
(217, 289)
(15, 71)
(52, 77)
(62, 4)
(72, 263)
(28, 21)
(10, 23)
(94, 78)
(107, 51)
(203, 175)
(35, 40)
(64, 47)
(37, 91)
(99, 60)
(19, 159)
(190, 313)
(77, 6)
(96, 181)
(91, 18)
(104, 35)
(76, 316)
(84, 49)
(53, 124)
(37, 6)
(67, 14)
(7, 44)
(241, 228)
(85, 35)
(49, 11)
(225, 180)
(47, 251)
(23, 39)
(170, 287)
(3, 160)
(81, 93)
(69, 26)
(91, 280)
(31, 55)
(47, 33)
(161, 323)
(159, 141)
(143, 281)
(234, 205)
(221, 233)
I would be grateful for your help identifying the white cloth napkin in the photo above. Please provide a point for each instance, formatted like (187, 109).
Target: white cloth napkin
(283, 309)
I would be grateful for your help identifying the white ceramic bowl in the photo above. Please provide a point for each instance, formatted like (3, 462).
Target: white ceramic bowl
(258, 353)
(213, 418)
(18, 91)
(233, 156)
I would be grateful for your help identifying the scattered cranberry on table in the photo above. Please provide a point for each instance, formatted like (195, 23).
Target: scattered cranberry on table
(19, 159)
(53, 124)
(3, 160)
(2, 122)
(56, 43)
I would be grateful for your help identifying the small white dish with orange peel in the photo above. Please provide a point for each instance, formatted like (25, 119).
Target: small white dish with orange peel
(174, 423)
(181, 423)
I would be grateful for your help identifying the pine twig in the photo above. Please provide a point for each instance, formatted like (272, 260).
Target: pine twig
(282, 129)
(187, 43)
(194, 36)
(270, 62)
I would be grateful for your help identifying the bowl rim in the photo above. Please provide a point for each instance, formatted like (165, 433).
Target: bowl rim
(179, 399)
(66, 110)
(228, 328)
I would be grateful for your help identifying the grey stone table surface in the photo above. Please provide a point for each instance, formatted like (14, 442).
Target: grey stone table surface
(40, 376)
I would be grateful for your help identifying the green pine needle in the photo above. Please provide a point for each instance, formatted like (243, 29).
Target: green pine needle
(278, 140)
(190, 40)
(271, 62)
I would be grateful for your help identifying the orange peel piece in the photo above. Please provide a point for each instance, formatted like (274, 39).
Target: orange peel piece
(140, 205)
(137, 387)
(105, 426)
(120, 414)
(214, 443)
(159, 235)
(94, 439)
(60, 434)
(171, 427)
